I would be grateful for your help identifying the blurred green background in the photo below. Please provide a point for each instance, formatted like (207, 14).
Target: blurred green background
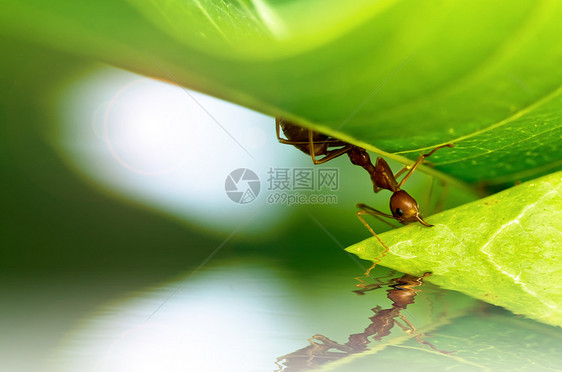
(73, 242)
(108, 268)
(96, 277)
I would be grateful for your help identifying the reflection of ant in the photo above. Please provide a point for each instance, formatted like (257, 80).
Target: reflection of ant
(403, 207)
(402, 293)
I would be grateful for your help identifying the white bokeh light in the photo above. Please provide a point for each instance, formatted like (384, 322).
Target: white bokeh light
(147, 127)
(224, 320)
(171, 149)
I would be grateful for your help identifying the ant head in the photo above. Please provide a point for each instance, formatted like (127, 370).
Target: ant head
(405, 209)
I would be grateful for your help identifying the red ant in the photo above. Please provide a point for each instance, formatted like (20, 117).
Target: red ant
(403, 206)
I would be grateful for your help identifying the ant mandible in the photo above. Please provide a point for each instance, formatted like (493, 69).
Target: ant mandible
(403, 206)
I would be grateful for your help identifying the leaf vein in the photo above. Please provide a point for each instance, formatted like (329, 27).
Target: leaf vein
(489, 151)
(499, 268)
(450, 356)
(533, 106)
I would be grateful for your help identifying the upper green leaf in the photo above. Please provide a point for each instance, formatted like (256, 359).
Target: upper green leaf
(392, 76)
(503, 249)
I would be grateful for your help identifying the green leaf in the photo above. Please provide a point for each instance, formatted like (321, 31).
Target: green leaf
(393, 76)
(503, 249)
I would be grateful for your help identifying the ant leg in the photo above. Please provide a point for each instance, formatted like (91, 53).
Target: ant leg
(399, 173)
(373, 212)
(332, 154)
(418, 162)
(328, 344)
(329, 155)
(376, 213)
(366, 287)
(278, 131)
(335, 143)
(377, 285)
(283, 140)
(409, 327)
(405, 169)
(419, 338)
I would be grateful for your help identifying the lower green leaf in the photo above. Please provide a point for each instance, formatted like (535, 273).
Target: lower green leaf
(503, 249)
(497, 342)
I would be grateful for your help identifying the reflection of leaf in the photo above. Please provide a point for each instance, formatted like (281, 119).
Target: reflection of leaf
(391, 76)
(414, 312)
(492, 343)
(504, 249)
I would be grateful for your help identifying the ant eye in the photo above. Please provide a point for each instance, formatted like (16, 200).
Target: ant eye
(399, 212)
